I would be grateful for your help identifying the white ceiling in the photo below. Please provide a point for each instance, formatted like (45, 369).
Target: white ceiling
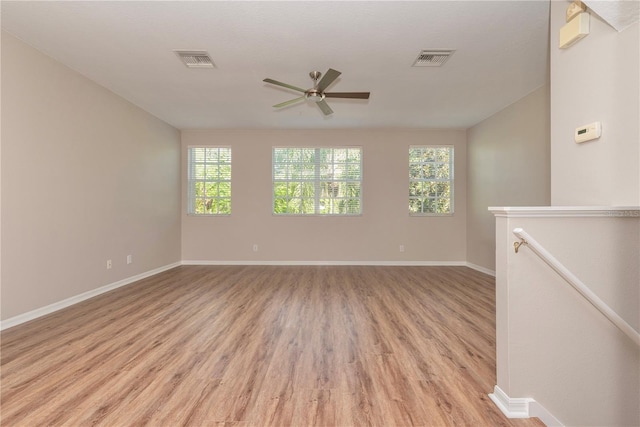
(127, 47)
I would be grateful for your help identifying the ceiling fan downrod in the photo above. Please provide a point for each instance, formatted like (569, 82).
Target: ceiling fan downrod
(314, 94)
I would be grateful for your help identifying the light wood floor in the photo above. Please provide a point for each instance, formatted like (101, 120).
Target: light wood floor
(263, 346)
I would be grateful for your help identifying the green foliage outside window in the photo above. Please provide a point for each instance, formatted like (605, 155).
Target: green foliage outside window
(430, 180)
(209, 180)
(317, 181)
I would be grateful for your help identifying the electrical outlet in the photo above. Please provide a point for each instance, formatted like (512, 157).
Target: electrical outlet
(255, 247)
(401, 248)
(109, 264)
(129, 259)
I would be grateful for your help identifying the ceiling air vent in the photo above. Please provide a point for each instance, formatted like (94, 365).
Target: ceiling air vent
(195, 58)
(433, 57)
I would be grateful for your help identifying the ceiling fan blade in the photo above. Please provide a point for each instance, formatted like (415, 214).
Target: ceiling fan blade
(324, 107)
(289, 102)
(277, 83)
(354, 95)
(327, 79)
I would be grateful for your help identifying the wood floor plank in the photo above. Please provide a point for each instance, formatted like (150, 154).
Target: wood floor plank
(263, 346)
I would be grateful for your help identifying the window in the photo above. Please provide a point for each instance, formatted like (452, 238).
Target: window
(430, 180)
(317, 181)
(209, 180)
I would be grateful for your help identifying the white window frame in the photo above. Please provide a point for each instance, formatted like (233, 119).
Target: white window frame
(417, 178)
(327, 183)
(208, 170)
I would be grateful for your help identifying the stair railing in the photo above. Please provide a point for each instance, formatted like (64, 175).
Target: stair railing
(588, 294)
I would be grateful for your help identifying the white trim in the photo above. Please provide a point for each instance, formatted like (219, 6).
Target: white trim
(511, 407)
(539, 411)
(522, 408)
(381, 263)
(43, 311)
(481, 269)
(373, 263)
(566, 211)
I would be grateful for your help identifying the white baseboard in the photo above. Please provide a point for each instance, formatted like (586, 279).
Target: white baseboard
(382, 263)
(511, 407)
(522, 408)
(39, 312)
(481, 269)
(539, 411)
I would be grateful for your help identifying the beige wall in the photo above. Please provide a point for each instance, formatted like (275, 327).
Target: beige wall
(508, 165)
(86, 177)
(595, 80)
(373, 237)
(1, 37)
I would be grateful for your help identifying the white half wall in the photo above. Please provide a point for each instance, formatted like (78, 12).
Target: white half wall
(553, 346)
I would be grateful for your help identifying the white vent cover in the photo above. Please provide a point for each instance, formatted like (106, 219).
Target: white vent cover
(432, 57)
(195, 58)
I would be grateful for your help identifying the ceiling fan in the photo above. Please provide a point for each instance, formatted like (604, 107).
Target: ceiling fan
(317, 92)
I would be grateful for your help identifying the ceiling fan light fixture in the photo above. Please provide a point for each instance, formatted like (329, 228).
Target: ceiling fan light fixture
(433, 57)
(314, 95)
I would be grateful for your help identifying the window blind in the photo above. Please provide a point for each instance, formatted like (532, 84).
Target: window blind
(209, 180)
(431, 180)
(317, 180)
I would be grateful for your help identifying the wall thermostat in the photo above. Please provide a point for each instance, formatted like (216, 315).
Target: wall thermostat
(588, 132)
